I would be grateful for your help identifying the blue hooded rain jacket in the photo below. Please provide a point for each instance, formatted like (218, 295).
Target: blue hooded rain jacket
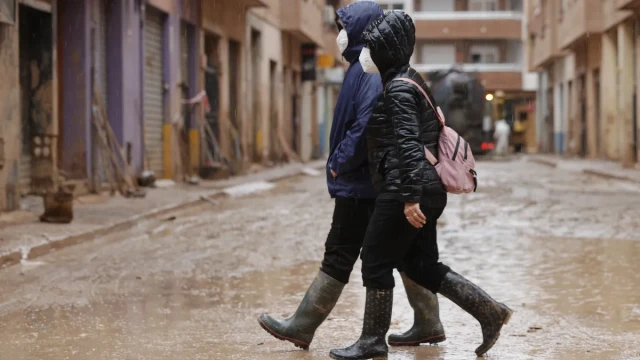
(354, 106)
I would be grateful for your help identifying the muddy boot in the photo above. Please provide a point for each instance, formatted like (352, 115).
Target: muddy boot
(312, 311)
(427, 328)
(490, 313)
(377, 318)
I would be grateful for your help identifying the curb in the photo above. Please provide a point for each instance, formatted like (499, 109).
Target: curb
(606, 175)
(14, 257)
(549, 163)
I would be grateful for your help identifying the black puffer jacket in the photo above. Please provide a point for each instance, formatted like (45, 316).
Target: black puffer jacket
(402, 122)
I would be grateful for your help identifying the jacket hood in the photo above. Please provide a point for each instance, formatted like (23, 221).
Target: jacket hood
(391, 39)
(356, 17)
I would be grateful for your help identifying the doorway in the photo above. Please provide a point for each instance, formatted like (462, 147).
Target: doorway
(212, 87)
(187, 40)
(583, 115)
(598, 129)
(273, 112)
(36, 88)
(550, 121)
(256, 133)
(295, 112)
(234, 70)
(562, 116)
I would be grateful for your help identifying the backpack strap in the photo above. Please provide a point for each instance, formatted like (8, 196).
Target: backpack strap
(436, 110)
(430, 157)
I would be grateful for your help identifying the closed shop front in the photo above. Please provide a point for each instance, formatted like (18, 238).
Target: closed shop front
(154, 90)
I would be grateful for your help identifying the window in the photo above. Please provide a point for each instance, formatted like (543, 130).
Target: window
(515, 5)
(439, 54)
(437, 5)
(390, 5)
(484, 54)
(483, 5)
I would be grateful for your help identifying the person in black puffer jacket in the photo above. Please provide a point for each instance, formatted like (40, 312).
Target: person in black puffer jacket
(402, 231)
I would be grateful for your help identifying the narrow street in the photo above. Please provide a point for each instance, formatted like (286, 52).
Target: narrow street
(561, 248)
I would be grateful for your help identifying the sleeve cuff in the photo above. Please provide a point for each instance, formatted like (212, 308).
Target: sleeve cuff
(412, 194)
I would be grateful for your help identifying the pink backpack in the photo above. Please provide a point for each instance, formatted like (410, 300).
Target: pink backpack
(456, 165)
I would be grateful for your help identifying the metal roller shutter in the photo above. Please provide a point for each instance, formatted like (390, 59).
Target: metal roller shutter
(154, 90)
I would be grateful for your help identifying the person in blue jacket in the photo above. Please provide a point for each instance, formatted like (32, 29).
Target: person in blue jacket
(350, 185)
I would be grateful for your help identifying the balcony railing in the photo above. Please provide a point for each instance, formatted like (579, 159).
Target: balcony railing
(468, 67)
(467, 15)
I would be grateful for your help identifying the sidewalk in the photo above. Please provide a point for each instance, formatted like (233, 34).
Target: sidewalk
(602, 168)
(23, 236)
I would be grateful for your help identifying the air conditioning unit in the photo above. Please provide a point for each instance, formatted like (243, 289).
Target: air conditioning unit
(329, 16)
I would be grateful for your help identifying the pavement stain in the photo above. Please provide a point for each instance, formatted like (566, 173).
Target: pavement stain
(192, 287)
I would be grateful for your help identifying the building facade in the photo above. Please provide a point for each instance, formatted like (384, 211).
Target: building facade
(150, 62)
(585, 53)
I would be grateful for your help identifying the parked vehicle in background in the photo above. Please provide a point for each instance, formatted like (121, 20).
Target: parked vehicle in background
(462, 99)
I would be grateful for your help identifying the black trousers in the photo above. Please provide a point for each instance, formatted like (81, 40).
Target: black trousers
(348, 228)
(391, 242)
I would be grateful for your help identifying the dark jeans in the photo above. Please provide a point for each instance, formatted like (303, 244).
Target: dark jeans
(348, 228)
(391, 242)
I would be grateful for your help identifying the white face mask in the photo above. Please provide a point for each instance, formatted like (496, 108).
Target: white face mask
(367, 62)
(343, 41)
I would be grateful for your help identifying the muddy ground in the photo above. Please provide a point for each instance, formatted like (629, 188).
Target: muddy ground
(560, 248)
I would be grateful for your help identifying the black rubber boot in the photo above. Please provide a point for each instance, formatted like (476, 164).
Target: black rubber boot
(377, 319)
(427, 328)
(490, 313)
(312, 311)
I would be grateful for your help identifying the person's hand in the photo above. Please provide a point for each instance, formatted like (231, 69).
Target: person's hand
(414, 215)
(333, 173)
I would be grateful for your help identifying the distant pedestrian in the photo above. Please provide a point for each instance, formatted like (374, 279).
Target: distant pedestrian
(501, 135)
(402, 230)
(350, 184)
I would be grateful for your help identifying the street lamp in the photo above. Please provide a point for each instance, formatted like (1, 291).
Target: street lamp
(489, 97)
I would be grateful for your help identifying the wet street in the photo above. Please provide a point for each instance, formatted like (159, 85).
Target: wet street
(561, 248)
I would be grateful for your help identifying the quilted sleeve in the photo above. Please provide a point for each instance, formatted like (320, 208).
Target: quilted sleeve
(403, 105)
